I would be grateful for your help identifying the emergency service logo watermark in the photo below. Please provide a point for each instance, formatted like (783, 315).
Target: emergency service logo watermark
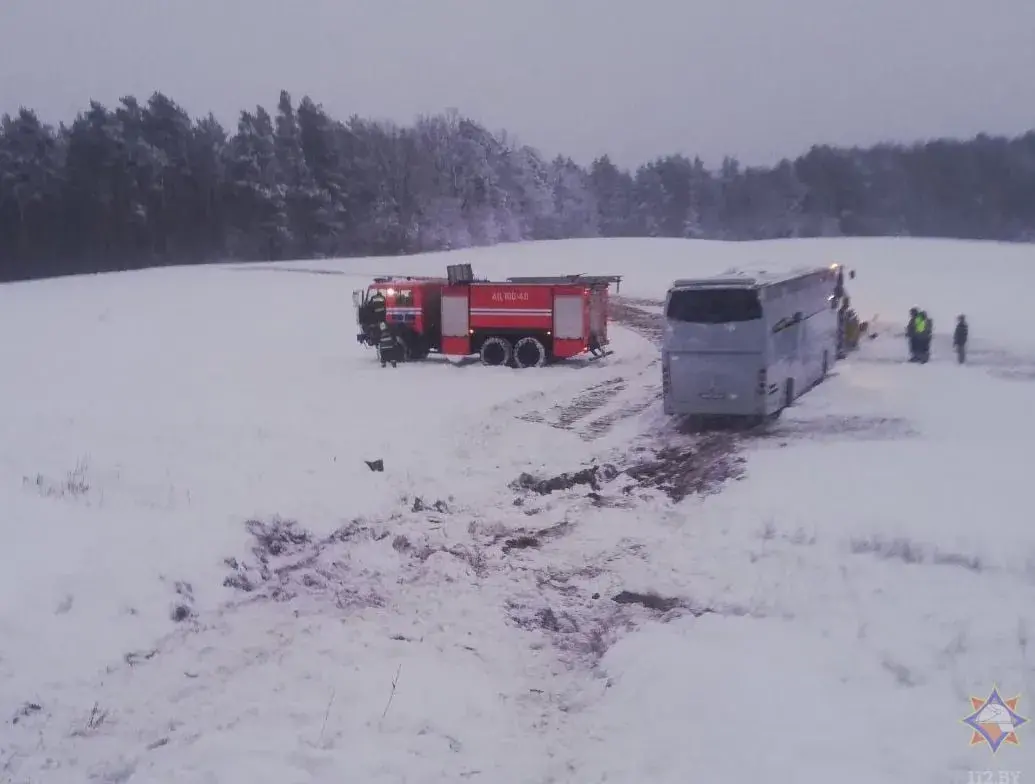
(995, 721)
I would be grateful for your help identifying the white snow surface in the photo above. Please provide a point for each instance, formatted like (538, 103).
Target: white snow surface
(840, 604)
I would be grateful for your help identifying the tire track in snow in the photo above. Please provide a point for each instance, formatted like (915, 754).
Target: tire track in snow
(565, 416)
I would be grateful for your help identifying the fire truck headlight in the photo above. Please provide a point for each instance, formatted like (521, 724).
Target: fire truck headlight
(390, 292)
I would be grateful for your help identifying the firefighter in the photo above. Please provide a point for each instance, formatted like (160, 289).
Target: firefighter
(388, 347)
(959, 338)
(378, 308)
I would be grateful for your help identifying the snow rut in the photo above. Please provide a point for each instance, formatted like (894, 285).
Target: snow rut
(602, 425)
(566, 415)
(624, 311)
(574, 414)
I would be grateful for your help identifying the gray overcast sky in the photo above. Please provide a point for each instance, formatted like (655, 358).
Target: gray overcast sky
(756, 78)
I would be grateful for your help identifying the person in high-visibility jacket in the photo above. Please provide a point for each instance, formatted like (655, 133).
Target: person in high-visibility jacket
(922, 326)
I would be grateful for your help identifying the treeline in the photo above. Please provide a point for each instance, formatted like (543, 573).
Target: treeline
(145, 185)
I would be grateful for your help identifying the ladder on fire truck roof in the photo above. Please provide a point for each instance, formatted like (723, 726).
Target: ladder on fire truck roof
(462, 273)
(590, 280)
(390, 278)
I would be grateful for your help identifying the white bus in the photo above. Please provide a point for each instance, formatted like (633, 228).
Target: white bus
(746, 344)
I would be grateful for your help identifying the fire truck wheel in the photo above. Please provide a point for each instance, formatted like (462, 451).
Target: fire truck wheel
(496, 351)
(529, 352)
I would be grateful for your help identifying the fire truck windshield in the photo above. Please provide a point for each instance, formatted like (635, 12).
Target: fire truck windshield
(398, 297)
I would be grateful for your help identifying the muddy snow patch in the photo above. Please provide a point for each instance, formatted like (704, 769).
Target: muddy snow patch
(357, 565)
(700, 467)
(694, 466)
(594, 477)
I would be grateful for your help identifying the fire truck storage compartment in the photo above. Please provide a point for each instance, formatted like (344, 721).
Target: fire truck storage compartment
(569, 323)
(456, 336)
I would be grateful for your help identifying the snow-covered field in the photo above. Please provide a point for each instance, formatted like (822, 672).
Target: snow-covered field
(203, 581)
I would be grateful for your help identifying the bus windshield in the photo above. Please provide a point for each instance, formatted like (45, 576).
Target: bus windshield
(714, 306)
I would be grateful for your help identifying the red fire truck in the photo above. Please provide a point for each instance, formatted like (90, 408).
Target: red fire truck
(520, 322)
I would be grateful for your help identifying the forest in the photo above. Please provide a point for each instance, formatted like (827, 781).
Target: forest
(145, 184)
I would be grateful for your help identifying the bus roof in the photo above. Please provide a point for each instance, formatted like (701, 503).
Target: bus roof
(737, 278)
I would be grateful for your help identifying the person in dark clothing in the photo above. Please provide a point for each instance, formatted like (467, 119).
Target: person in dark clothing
(911, 334)
(378, 307)
(372, 312)
(959, 338)
(388, 347)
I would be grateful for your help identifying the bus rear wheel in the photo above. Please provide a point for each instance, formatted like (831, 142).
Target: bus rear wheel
(529, 352)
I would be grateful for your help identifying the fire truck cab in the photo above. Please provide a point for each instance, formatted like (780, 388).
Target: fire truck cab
(411, 312)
